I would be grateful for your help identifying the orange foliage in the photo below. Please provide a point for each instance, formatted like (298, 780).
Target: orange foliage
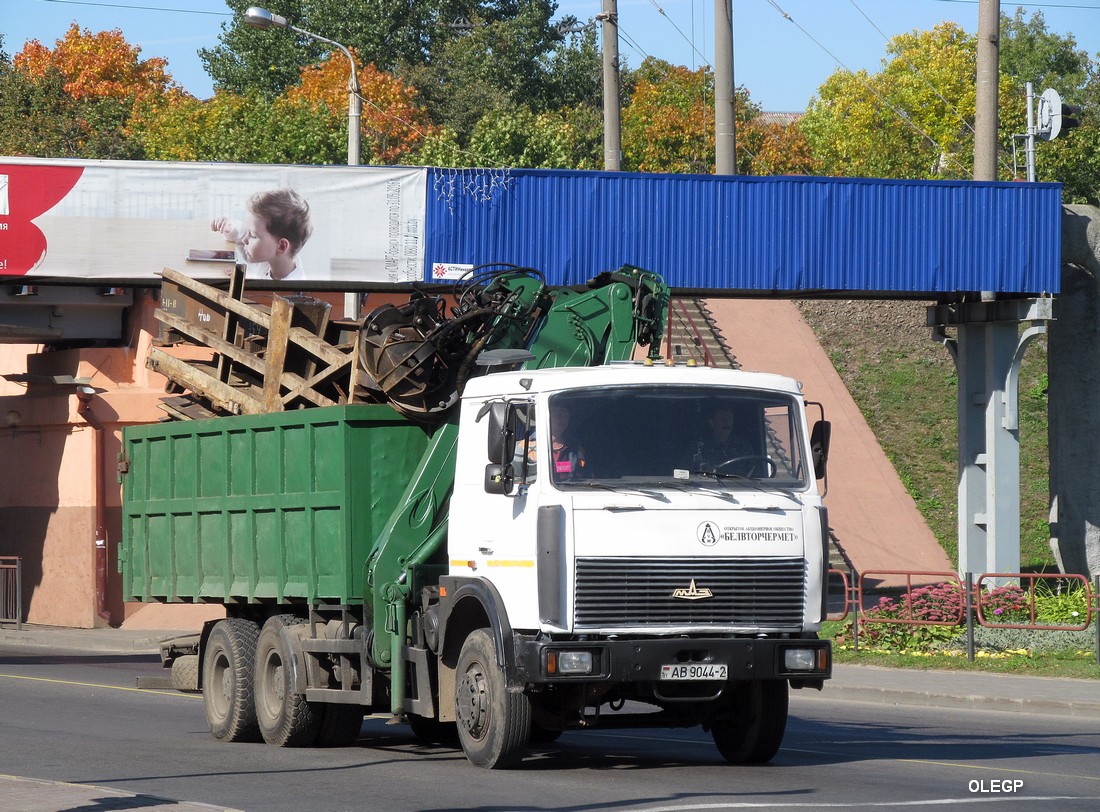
(391, 117)
(98, 66)
(779, 149)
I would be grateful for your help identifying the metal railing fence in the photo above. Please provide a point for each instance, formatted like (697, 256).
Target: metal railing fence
(11, 590)
(967, 602)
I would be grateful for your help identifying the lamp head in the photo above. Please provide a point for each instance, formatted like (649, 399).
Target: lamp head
(261, 18)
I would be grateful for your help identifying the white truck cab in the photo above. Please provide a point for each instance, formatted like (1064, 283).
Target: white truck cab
(629, 542)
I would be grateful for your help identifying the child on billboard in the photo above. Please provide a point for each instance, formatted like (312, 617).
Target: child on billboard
(275, 228)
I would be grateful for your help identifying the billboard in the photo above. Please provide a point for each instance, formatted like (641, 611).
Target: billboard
(129, 219)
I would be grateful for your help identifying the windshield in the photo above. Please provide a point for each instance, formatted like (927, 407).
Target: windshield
(676, 436)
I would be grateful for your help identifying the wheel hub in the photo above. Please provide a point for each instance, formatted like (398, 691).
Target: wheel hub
(471, 705)
(277, 682)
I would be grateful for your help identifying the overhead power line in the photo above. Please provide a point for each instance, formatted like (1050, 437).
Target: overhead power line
(137, 8)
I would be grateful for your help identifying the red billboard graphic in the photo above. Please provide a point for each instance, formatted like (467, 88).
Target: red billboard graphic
(27, 192)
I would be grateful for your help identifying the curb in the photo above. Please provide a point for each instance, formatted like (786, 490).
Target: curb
(98, 640)
(930, 699)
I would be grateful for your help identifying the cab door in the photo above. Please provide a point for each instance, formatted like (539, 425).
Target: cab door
(494, 509)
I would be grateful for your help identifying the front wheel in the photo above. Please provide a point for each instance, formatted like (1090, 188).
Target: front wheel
(494, 724)
(227, 676)
(753, 731)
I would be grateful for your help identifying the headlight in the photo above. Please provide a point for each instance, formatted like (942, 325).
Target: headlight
(799, 659)
(569, 662)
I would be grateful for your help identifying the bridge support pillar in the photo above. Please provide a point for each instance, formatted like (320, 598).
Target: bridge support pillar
(988, 346)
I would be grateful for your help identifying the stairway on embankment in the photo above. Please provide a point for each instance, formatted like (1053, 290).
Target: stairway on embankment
(875, 526)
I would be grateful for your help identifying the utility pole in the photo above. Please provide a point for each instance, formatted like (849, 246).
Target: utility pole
(725, 139)
(985, 112)
(612, 140)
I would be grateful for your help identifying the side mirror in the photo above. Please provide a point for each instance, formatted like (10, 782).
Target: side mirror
(501, 433)
(499, 479)
(819, 446)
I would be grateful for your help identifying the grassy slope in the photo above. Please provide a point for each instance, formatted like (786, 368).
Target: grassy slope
(906, 386)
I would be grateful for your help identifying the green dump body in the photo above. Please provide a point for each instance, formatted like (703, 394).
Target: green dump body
(279, 507)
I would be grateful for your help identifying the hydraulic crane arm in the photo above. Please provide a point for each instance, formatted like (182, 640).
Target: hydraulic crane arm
(602, 322)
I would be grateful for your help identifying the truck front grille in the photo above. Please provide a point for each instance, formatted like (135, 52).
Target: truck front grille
(762, 593)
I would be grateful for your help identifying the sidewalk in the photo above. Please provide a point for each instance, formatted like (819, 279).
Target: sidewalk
(854, 683)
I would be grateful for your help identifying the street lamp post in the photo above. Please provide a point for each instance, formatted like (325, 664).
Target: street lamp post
(261, 18)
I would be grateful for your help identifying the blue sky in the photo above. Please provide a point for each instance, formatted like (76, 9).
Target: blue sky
(783, 49)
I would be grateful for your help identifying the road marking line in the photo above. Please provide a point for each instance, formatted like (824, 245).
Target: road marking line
(850, 804)
(98, 685)
(996, 769)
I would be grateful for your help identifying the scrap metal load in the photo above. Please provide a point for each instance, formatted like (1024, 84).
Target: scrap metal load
(415, 357)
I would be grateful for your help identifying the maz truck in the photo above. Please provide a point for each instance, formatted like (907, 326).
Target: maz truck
(434, 558)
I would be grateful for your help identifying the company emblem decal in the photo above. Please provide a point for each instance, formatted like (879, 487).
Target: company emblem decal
(692, 593)
(708, 534)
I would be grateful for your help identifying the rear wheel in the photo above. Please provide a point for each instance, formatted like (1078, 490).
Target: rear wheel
(494, 724)
(185, 673)
(754, 730)
(285, 718)
(340, 725)
(227, 678)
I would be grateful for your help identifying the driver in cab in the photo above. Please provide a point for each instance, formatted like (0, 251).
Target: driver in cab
(723, 448)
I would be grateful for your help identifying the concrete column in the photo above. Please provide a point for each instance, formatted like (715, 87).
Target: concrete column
(1074, 418)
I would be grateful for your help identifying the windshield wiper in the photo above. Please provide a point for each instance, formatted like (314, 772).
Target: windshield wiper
(755, 483)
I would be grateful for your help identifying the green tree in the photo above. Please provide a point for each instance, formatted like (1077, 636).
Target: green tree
(505, 62)
(914, 118)
(464, 58)
(1032, 53)
(389, 34)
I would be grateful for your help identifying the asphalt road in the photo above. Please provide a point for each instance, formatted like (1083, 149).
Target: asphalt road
(81, 719)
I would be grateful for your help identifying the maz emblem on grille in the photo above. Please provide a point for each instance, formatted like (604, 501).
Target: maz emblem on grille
(692, 593)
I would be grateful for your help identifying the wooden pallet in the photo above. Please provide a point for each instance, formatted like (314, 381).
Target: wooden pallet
(288, 356)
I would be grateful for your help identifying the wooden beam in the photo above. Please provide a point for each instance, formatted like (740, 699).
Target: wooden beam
(275, 357)
(222, 395)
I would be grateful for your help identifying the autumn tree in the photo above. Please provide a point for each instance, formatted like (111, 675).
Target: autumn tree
(392, 121)
(668, 122)
(776, 148)
(77, 99)
(96, 66)
(308, 124)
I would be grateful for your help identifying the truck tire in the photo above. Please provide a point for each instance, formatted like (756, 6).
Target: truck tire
(285, 718)
(185, 673)
(754, 731)
(340, 725)
(227, 677)
(494, 724)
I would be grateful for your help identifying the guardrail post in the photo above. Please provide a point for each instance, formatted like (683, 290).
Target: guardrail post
(19, 594)
(858, 603)
(970, 616)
